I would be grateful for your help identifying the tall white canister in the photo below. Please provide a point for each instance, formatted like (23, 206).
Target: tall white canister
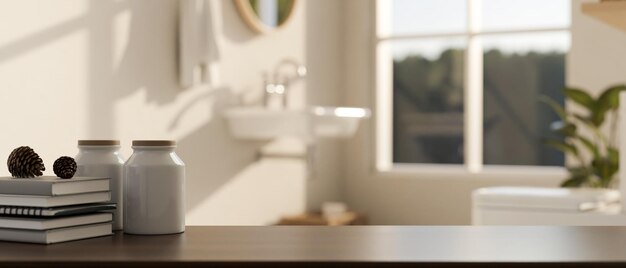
(101, 158)
(154, 189)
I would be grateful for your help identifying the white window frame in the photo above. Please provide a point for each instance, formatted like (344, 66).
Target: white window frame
(473, 100)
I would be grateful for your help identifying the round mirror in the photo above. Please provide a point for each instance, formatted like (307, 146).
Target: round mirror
(265, 15)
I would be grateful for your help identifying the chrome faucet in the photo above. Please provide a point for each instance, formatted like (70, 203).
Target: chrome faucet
(280, 82)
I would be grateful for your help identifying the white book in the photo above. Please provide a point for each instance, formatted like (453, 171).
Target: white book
(53, 201)
(53, 223)
(56, 235)
(50, 185)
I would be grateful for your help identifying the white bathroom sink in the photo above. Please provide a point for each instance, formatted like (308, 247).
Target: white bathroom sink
(259, 123)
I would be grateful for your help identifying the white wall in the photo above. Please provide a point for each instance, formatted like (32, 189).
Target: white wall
(597, 58)
(78, 69)
(324, 51)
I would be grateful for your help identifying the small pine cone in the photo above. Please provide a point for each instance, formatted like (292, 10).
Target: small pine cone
(23, 162)
(64, 167)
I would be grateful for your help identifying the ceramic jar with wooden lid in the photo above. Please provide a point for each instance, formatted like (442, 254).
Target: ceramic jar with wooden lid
(101, 158)
(154, 189)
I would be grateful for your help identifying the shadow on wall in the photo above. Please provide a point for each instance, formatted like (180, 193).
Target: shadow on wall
(212, 156)
(210, 153)
(146, 61)
(142, 66)
(132, 49)
(149, 63)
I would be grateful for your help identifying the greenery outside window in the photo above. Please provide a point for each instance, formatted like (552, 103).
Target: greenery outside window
(458, 81)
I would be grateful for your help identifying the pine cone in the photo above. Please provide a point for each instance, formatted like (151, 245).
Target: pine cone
(23, 162)
(64, 167)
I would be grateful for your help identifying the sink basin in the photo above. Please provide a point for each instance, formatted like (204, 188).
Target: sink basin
(337, 121)
(260, 124)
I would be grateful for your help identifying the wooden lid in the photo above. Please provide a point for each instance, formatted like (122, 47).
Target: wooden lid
(154, 143)
(98, 142)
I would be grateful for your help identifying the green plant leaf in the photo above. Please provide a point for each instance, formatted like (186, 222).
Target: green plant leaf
(600, 167)
(585, 120)
(589, 145)
(597, 117)
(613, 166)
(562, 146)
(605, 170)
(581, 97)
(609, 99)
(566, 129)
(575, 181)
(577, 171)
(555, 106)
(613, 155)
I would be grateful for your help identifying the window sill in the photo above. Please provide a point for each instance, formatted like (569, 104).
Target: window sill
(528, 174)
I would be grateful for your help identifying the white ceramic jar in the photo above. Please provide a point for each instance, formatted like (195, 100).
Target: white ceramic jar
(154, 189)
(101, 158)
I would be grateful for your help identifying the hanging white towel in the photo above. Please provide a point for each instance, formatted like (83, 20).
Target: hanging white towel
(199, 52)
(211, 52)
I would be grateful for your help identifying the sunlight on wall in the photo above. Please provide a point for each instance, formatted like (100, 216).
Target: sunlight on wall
(120, 36)
(257, 183)
(137, 117)
(36, 21)
(36, 103)
(108, 69)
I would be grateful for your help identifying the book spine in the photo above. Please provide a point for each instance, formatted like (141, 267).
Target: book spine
(21, 211)
(24, 187)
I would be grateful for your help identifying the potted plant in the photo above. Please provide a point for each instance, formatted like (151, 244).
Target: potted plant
(595, 157)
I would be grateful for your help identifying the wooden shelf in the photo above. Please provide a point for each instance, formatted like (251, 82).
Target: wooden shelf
(610, 12)
(350, 246)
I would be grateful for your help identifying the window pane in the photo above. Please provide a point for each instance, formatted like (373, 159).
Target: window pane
(518, 69)
(428, 101)
(429, 16)
(526, 14)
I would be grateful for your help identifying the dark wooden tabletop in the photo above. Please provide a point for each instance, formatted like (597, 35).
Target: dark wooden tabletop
(324, 246)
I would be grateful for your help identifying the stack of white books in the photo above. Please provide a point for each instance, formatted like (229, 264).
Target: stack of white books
(50, 210)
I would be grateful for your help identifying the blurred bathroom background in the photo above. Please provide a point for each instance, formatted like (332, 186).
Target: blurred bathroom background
(453, 96)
